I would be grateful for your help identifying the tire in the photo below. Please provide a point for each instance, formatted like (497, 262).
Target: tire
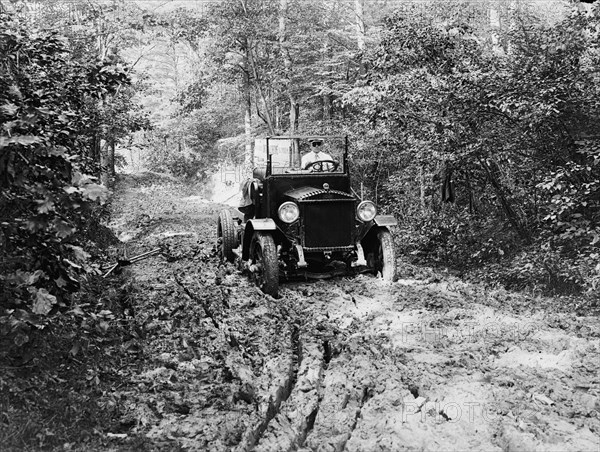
(226, 235)
(263, 254)
(385, 256)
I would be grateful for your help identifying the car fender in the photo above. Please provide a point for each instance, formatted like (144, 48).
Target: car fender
(261, 224)
(380, 221)
(256, 224)
(385, 220)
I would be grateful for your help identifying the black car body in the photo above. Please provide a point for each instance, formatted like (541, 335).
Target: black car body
(333, 233)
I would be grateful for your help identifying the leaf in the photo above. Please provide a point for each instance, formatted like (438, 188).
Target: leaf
(36, 223)
(43, 302)
(73, 264)
(13, 90)
(8, 109)
(79, 253)
(76, 177)
(45, 205)
(103, 326)
(70, 190)
(63, 229)
(18, 278)
(95, 192)
(79, 179)
(77, 311)
(58, 151)
(35, 276)
(75, 349)
(24, 140)
(60, 282)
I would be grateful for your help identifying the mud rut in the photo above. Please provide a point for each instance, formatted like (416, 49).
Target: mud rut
(426, 363)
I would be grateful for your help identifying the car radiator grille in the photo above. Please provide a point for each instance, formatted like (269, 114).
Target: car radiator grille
(328, 223)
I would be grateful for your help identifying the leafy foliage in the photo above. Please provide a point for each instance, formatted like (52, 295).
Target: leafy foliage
(49, 100)
(511, 126)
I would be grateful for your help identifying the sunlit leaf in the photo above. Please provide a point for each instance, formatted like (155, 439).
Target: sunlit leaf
(95, 192)
(43, 302)
(73, 264)
(45, 205)
(35, 276)
(24, 140)
(58, 151)
(60, 282)
(63, 229)
(70, 190)
(8, 109)
(79, 253)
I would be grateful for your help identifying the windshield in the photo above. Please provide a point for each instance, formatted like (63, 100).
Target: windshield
(304, 155)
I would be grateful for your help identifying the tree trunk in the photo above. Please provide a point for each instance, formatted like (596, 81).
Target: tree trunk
(512, 216)
(326, 107)
(494, 24)
(266, 117)
(111, 160)
(283, 4)
(287, 65)
(104, 162)
(326, 97)
(249, 149)
(360, 24)
(360, 30)
(294, 115)
(277, 117)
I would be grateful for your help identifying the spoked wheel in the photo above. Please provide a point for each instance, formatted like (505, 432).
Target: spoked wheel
(226, 236)
(264, 262)
(385, 256)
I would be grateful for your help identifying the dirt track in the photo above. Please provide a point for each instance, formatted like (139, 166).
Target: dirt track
(427, 363)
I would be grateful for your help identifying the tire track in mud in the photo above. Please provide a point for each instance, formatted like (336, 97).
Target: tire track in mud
(292, 429)
(275, 398)
(387, 384)
(343, 364)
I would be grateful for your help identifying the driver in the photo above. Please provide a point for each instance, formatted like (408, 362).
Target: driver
(316, 154)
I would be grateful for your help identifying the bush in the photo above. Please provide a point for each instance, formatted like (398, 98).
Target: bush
(48, 99)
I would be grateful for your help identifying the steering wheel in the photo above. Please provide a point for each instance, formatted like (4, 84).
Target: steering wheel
(318, 166)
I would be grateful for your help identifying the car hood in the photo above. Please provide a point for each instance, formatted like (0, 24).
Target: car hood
(307, 193)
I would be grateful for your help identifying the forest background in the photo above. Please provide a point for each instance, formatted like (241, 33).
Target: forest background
(474, 122)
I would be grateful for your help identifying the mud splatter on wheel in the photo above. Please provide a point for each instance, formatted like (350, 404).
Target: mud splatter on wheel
(226, 236)
(385, 257)
(264, 262)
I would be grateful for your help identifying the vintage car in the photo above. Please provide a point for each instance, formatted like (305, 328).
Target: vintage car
(302, 218)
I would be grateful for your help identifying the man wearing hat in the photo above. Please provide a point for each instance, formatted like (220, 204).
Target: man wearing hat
(316, 154)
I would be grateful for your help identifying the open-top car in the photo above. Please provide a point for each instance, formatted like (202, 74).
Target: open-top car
(302, 218)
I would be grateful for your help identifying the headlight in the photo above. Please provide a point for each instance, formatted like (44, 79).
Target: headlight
(288, 212)
(366, 211)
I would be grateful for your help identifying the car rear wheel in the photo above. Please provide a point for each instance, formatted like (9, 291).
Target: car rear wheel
(226, 236)
(265, 263)
(385, 256)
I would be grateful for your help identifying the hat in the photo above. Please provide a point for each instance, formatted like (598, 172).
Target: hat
(315, 141)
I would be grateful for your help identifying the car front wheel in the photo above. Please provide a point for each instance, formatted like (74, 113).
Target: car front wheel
(265, 263)
(385, 256)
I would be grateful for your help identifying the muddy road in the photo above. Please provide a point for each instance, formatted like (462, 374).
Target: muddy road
(426, 363)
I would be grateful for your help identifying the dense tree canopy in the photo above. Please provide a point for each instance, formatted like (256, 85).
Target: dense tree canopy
(510, 125)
